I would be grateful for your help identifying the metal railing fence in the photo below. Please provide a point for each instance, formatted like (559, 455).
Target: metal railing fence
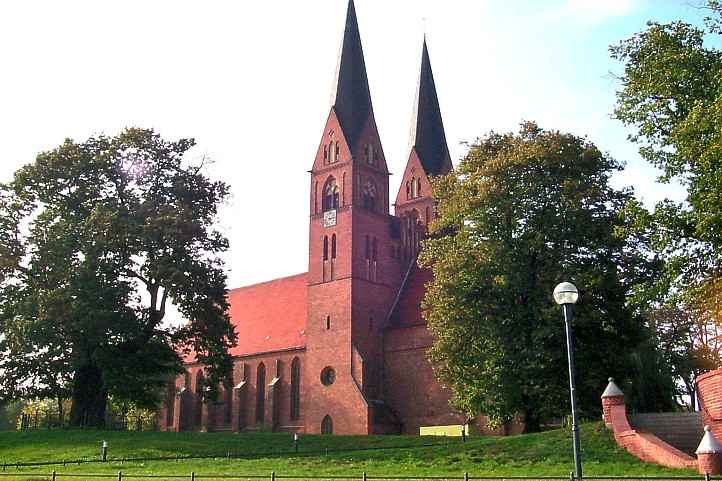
(273, 476)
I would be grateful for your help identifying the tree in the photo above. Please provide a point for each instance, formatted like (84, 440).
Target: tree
(671, 95)
(97, 237)
(522, 213)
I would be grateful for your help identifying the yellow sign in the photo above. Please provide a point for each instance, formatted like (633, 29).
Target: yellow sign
(450, 430)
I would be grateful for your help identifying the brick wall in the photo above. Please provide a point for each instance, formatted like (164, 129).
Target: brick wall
(709, 393)
(643, 445)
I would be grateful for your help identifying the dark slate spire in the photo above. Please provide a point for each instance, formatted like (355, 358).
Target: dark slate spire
(351, 97)
(427, 129)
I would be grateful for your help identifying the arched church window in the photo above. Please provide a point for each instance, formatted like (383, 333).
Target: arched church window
(325, 154)
(369, 195)
(330, 195)
(376, 156)
(260, 393)
(295, 388)
(328, 322)
(333, 246)
(170, 403)
(228, 403)
(327, 425)
(325, 247)
(375, 252)
(408, 190)
(418, 187)
(368, 248)
(413, 187)
(198, 415)
(199, 383)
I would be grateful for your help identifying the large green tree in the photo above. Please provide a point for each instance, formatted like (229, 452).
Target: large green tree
(521, 213)
(671, 96)
(97, 238)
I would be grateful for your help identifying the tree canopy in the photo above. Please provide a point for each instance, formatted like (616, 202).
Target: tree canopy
(97, 237)
(522, 213)
(671, 96)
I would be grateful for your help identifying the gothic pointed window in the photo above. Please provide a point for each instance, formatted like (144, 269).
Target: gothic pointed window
(375, 252)
(325, 154)
(368, 248)
(413, 188)
(418, 187)
(408, 190)
(369, 195)
(330, 195)
(295, 389)
(376, 156)
(335, 152)
(260, 393)
(325, 247)
(327, 425)
(333, 246)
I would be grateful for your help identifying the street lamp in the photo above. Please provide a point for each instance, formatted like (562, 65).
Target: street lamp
(566, 294)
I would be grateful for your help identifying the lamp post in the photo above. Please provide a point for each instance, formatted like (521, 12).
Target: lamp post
(566, 294)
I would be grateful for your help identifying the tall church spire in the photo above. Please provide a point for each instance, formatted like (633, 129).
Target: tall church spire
(427, 128)
(351, 98)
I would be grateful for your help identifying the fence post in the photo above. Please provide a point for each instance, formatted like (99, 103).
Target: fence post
(466, 476)
(53, 475)
(273, 476)
(571, 475)
(193, 476)
(706, 476)
(120, 476)
(364, 476)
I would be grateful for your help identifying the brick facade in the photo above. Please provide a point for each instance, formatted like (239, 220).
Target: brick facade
(352, 323)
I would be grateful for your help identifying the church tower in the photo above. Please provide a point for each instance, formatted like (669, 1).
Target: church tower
(428, 156)
(353, 272)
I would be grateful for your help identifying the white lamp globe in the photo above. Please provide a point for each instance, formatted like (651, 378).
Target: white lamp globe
(566, 293)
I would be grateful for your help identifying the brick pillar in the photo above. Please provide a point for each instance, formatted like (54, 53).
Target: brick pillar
(273, 402)
(709, 454)
(178, 410)
(612, 396)
(206, 414)
(238, 416)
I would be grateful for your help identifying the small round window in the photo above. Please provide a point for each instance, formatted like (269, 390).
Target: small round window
(328, 376)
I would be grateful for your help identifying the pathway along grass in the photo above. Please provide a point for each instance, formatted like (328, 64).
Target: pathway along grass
(542, 454)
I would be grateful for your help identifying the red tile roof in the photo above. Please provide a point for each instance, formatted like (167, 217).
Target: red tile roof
(269, 316)
(407, 311)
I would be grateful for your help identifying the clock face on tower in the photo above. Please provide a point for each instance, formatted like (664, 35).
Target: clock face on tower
(329, 218)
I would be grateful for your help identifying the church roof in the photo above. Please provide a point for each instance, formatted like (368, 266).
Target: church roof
(351, 98)
(269, 316)
(407, 310)
(427, 128)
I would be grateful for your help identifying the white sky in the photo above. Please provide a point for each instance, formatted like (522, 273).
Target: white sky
(251, 81)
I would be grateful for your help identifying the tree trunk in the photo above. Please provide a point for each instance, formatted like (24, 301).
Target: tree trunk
(532, 423)
(90, 398)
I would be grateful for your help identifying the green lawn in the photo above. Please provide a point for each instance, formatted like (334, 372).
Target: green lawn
(547, 453)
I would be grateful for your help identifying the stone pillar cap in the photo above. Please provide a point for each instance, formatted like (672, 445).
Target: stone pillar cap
(612, 389)
(709, 443)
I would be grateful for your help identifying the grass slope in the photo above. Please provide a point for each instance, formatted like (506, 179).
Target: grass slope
(547, 453)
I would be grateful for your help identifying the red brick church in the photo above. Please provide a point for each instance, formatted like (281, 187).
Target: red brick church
(341, 348)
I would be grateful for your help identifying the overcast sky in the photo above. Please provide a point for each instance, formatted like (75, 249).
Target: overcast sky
(251, 81)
